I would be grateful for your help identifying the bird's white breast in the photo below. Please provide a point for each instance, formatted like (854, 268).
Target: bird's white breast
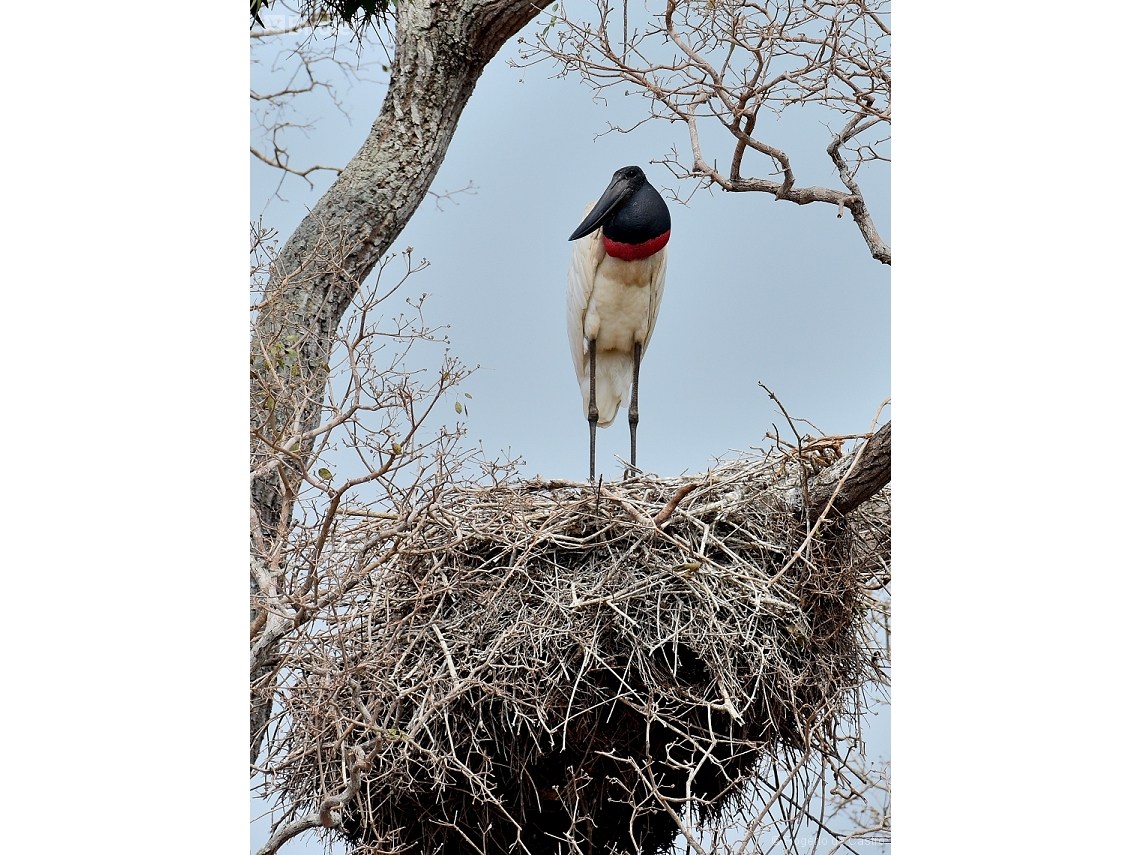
(618, 313)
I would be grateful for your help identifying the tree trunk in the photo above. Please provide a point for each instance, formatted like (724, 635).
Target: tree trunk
(442, 47)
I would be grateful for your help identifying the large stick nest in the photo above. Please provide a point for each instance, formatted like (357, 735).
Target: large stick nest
(541, 667)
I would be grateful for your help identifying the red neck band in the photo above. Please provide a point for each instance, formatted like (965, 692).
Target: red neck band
(634, 251)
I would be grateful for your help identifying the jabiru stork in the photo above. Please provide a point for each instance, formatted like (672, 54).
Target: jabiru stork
(617, 278)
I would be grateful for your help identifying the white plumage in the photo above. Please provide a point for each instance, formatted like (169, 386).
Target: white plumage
(616, 303)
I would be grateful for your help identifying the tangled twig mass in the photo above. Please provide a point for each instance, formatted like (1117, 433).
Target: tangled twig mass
(555, 667)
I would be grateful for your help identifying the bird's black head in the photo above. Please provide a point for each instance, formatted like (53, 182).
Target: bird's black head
(626, 183)
(632, 175)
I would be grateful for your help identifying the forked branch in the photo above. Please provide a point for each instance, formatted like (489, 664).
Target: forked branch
(726, 64)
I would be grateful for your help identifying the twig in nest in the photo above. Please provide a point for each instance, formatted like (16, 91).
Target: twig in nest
(671, 506)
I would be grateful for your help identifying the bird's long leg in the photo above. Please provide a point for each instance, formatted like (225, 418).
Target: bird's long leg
(593, 411)
(633, 416)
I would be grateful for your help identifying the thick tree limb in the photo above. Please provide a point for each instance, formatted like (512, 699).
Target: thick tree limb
(870, 473)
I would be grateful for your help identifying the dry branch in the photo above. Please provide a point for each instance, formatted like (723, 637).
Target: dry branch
(866, 477)
(728, 69)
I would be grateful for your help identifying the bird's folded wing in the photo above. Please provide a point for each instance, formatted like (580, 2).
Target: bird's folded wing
(588, 254)
(656, 291)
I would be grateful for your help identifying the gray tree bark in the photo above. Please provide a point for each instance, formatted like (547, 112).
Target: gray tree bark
(441, 48)
(854, 479)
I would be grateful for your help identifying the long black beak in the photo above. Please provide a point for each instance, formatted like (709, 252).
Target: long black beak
(618, 191)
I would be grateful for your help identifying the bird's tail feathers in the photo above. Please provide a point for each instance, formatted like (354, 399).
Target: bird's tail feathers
(614, 376)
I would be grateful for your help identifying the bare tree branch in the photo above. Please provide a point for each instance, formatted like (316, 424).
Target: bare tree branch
(849, 483)
(325, 816)
(280, 161)
(726, 64)
(315, 63)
